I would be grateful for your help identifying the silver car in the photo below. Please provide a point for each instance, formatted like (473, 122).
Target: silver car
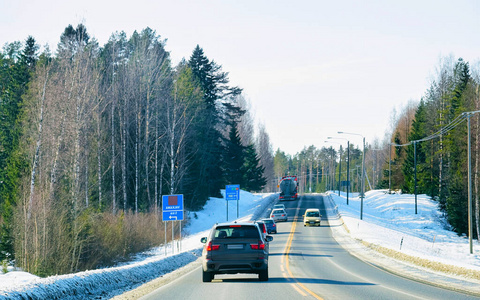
(279, 215)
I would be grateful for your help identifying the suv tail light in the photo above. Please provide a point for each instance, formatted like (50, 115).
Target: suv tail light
(212, 247)
(259, 246)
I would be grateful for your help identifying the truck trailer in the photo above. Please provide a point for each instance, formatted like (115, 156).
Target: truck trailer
(288, 188)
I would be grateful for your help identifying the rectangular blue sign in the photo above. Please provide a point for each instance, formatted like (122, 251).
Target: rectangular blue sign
(232, 192)
(172, 207)
(176, 215)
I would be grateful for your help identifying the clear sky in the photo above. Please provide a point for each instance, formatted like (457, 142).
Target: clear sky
(309, 68)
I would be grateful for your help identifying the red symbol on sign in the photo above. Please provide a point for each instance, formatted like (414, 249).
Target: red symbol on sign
(172, 200)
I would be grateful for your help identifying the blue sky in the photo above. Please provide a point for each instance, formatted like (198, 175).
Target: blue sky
(309, 68)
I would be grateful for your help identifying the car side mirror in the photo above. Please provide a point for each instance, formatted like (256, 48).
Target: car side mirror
(269, 238)
(203, 240)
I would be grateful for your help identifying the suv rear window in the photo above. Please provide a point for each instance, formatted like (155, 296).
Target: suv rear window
(237, 231)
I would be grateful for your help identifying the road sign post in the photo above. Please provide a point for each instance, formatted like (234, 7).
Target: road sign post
(232, 192)
(172, 210)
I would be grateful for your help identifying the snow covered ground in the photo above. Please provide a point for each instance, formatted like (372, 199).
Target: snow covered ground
(108, 282)
(388, 220)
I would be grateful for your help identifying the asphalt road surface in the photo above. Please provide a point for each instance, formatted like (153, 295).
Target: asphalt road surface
(305, 263)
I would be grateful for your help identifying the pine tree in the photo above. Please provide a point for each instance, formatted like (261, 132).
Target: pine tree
(234, 158)
(253, 173)
(280, 161)
(456, 204)
(216, 94)
(16, 68)
(417, 133)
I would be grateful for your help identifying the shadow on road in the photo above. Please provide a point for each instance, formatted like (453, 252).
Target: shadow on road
(300, 254)
(316, 281)
(300, 280)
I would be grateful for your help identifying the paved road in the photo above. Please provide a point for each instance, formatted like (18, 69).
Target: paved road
(305, 263)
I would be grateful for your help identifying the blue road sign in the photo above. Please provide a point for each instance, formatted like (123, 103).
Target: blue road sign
(172, 207)
(173, 215)
(232, 192)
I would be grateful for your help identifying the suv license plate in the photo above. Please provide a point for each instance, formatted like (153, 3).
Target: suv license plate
(235, 246)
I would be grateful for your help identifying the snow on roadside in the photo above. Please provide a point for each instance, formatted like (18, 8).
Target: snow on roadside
(108, 282)
(389, 220)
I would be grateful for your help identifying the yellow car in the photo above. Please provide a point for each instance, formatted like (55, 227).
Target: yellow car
(311, 217)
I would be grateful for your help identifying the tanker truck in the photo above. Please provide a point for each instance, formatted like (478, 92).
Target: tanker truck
(288, 188)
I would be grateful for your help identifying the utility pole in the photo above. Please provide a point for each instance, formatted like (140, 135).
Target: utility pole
(390, 170)
(415, 172)
(339, 170)
(470, 204)
(348, 168)
(362, 194)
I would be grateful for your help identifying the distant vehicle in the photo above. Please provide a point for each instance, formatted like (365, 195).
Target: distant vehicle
(233, 248)
(281, 206)
(271, 226)
(263, 227)
(288, 188)
(279, 215)
(312, 217)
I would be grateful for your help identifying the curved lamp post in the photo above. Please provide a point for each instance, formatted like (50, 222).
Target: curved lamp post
(362, 194)
(348, 161)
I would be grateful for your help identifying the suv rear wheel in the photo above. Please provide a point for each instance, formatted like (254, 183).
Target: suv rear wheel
(207, 276)
(263, 275)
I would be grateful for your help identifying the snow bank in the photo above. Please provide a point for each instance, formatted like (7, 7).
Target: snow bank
(389, 220)
(106, 283)
(101, 282)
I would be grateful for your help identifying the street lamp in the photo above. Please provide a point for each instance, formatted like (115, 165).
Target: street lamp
(362, 195)
(348, 161)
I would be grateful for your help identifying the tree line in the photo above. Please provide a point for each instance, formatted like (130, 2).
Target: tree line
(431, 133)
(436, 133)
(91, 137)
(321, 170)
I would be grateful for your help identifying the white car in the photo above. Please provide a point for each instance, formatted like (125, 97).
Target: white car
(279, 214)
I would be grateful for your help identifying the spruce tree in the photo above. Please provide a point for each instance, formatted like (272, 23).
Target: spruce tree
(456, 204)
(253, 173)
(216, 94)
(16, 68)
(417, 133)
(234, 158)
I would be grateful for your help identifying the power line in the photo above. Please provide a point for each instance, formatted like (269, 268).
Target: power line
(457, 121)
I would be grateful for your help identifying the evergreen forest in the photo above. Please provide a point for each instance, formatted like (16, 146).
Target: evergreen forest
(425, 151)
(92, 136)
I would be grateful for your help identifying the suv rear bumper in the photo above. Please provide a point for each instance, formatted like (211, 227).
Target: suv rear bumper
(235, 266)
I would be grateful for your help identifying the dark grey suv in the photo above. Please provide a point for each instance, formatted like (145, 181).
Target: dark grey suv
(233, 248)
